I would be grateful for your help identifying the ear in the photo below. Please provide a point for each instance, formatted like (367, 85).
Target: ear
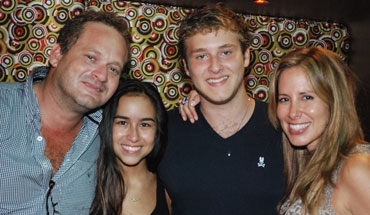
(247, 56)
(55, 55)
(185, 66)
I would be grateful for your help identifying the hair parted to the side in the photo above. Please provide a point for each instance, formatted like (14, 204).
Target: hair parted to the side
(334, 82)
(110, 188)
(212, 17)
(74, 27)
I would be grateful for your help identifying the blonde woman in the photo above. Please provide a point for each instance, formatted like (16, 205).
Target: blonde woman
(327, 161)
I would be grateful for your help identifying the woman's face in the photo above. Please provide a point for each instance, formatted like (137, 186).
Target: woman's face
(134, 129)
(303, 115)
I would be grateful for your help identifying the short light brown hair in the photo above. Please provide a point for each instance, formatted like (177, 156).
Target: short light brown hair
(212, 17)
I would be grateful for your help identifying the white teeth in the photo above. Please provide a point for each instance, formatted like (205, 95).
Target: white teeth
(298, 126)
(131, 148)
(217, 80)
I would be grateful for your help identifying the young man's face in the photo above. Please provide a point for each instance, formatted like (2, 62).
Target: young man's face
(88, 74)
(216, 65)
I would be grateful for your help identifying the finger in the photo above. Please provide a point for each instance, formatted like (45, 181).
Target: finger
(182, 112)
(187, 110)
(194, 99)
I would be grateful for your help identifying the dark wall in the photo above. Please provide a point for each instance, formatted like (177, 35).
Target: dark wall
(359, 62)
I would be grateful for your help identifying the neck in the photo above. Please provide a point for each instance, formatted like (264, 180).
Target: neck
(137, 183)
(135, 173)
(54, 116)
(227, 119)
(231, 109)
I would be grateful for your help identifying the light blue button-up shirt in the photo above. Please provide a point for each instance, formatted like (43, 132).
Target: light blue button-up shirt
(25, 172)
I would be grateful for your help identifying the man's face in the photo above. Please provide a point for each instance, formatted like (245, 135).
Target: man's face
(216, 65)
(88, 74)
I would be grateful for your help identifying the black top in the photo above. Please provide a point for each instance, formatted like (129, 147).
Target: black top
(161, 207)
(207, 174)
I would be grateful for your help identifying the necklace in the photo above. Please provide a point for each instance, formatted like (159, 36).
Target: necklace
(227, 128)
(145, 189)
(240, 124)
(136, 199)
(133, 199)
(245, 114)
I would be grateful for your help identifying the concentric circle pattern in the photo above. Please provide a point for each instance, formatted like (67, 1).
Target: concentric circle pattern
(29, 29)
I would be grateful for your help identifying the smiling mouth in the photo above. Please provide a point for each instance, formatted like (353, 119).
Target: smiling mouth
(298, 127)
(131, 148)
(94, 87)
(217, 80)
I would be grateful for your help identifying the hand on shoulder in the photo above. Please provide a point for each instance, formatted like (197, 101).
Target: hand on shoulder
(187, 106)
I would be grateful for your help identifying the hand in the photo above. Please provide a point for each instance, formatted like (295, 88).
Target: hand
(187, 106)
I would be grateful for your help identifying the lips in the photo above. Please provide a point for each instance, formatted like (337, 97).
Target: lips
(95, 87)
(298, 128)
(217, 80)
(131, 149)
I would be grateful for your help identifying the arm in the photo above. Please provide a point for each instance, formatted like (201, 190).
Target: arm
(187, 109)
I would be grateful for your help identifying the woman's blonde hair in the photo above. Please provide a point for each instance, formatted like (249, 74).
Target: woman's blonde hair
(307, 174)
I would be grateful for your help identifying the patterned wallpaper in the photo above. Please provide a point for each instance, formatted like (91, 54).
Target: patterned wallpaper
(28, 30)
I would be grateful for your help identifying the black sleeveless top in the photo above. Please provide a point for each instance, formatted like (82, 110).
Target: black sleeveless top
(161, 207)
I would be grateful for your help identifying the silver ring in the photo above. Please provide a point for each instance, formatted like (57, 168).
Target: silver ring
(184, 100)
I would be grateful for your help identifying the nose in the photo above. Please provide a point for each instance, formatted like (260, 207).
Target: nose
(215, 65)
(133, 134)
(295, 110)
(100, 73)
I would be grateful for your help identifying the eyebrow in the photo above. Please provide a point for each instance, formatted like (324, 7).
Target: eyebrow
(300, 93)
(220, 47)
(142, 119)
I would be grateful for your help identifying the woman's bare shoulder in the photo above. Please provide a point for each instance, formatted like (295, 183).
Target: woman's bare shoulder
(354, 183)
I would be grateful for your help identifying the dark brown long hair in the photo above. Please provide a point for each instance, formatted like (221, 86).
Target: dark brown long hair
(110, 188)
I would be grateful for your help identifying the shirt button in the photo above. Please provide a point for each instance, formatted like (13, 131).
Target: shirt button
(39, 138)
(45, 164)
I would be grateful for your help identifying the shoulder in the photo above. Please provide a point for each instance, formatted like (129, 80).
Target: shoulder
(174, 116)
(175, 123)
(356, 168)
(260, 105)
(173, 112)
(260, 121)
(354, 182)
(11, 92)
(260, 110)
(7, 86)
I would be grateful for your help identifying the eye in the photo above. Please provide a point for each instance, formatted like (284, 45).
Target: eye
(121, 122)
(227, 52)
(148, 124)
(91, 58)
(283, 99)
(144, 124)
(114, 70)
(308, 97)
(201, 57)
